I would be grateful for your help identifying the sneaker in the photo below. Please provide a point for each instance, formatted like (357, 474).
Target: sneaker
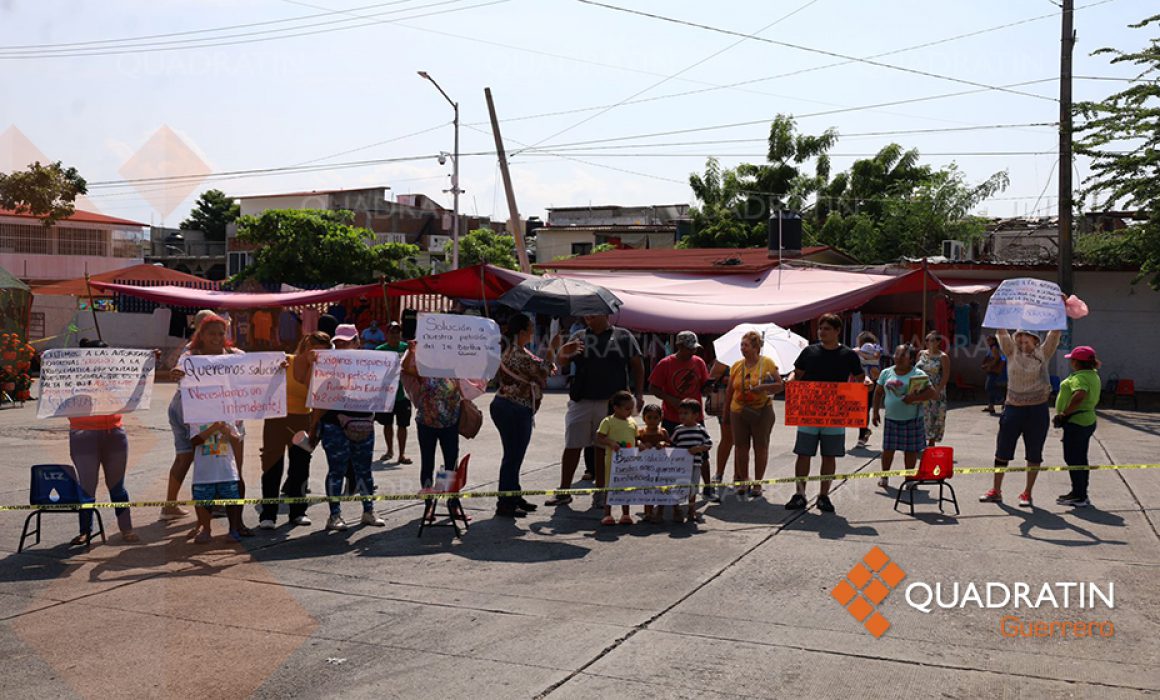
(825, 505)
(884, 483)
(1062, 500)
(301, 521)
(265, 524)
(235, 535)
(862, 442)
(561, 500)
(335, 522)
(369, 518)
(1077, 502)
(798, 502)
(715, 490)
(1025, 500)
(991, 496)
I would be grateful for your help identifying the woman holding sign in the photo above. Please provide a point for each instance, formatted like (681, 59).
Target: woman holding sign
(1026, 413)
(753, 380)
(522, 378)
(209, 338)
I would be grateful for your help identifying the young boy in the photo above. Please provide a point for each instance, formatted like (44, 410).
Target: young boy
(616, 432)
(217, 462)
(904, 388)
(692, 436)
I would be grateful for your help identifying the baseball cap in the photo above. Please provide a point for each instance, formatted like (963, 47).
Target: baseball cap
(394, 326)
(1083, 353)
(346, 331)
(687, 339)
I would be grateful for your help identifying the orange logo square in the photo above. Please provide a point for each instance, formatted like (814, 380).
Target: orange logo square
(874, 577)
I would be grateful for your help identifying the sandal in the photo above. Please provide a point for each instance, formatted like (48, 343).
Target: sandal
(130, 536)
(405, 460)
(82, 538)
(625, 519)
(754, 491)
(245, 531)
(608, 520)
(561, 500)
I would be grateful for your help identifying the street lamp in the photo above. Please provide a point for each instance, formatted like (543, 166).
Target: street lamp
(455, 191)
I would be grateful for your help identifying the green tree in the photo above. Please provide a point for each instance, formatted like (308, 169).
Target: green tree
(484, 245)
(1121, 135)
(48, 191)
(914, 220)
(735, 204)
(211, 214)
(312, 247)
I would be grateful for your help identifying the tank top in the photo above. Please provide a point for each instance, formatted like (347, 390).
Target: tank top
(295, 392)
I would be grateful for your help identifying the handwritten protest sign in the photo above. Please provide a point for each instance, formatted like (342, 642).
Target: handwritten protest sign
(355, 380)
(94, 382)
(463, 347)
(1030, 304)
(233, 387)
(826, 404)
(648, 469)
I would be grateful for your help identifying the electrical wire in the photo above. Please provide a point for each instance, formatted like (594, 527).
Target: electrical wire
(810, 49)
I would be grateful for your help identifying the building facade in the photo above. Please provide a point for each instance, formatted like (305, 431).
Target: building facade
(84, 243)
(578, 230)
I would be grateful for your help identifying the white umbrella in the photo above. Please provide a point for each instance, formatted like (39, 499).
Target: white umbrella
(778, 344)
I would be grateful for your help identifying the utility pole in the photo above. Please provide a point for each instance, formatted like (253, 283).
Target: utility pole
(513, 211)
(1067, 44)
(454, 173)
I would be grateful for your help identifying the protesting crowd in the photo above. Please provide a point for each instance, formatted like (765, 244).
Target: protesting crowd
(615, 409)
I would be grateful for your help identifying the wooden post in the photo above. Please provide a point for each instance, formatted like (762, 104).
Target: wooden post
(924, 274)
(93, 308)
(514, 224)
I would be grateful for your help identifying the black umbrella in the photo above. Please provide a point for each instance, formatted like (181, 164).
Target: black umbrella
(560, 297)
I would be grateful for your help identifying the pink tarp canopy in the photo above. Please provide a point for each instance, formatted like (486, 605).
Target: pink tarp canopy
(670, 303)
(213, 299)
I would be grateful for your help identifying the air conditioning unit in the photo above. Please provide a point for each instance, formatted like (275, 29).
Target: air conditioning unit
(953, 250)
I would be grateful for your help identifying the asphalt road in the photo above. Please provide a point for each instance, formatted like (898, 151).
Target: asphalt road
(557, 606)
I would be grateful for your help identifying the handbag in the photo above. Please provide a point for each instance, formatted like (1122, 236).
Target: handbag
(356, 428)
(470, 419)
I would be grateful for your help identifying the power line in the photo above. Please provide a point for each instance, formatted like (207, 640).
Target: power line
(809, 49)
(64, 46)
(666, 79)
(762, 155)
(212, 42)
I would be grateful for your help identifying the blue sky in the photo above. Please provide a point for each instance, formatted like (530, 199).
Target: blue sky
(286, 101)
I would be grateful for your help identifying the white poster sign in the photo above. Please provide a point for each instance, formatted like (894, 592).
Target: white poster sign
(94, 381)
(1030, 304)
(355, 380)
(648, 469)
(463, 347)
(233, 387)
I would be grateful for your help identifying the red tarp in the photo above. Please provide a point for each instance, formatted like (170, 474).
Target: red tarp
(136, 275)
(476, 282)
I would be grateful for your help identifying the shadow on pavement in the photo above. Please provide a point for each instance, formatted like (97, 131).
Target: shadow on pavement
(829, 526)
(1037, 518)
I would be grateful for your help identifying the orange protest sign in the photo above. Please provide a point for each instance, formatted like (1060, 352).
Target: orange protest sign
(826, 404)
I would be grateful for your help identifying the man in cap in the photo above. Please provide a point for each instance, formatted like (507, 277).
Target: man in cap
(677, 377)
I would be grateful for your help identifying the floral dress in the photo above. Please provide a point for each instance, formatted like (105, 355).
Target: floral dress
(935, 411)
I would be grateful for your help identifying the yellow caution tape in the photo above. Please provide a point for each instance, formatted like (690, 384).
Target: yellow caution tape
(421, 496)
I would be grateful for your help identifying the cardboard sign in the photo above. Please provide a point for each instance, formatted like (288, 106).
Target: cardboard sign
(826, 404)
(355, 380)
(233, 387)
(461, 347)
(94, 382)
(647, 469)
(1030, 304)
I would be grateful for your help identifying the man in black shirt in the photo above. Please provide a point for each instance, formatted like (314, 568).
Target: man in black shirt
(608, 360)
(826, 361)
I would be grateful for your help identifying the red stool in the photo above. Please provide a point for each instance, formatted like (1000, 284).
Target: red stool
(1127, 389)
(937, 465)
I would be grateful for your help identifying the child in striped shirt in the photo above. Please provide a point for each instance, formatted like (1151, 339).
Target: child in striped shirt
(692, 436)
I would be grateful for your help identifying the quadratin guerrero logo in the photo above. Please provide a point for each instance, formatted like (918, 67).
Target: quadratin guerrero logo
(872, 579)
(866, 586)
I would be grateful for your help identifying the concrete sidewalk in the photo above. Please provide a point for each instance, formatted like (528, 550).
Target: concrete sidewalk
(555, 605)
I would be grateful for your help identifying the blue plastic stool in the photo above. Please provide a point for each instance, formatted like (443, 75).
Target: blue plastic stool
(56, 485)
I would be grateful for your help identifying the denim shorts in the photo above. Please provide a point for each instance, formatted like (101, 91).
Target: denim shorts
(1030, 422)
(216, 490)
(181, 434)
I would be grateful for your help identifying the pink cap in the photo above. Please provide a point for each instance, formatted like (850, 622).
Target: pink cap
(1083, 353)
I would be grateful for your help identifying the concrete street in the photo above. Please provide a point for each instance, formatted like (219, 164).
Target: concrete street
(556, 606)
